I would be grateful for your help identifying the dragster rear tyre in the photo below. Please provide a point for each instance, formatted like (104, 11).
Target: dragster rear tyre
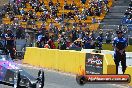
(81, 80)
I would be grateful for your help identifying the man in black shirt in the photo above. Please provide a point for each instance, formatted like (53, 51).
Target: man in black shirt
(120, 44)
(9, 38)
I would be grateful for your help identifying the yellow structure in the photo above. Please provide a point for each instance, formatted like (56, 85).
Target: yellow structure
(108, 64)
(64, 60)
(67, 60)
(129, 71)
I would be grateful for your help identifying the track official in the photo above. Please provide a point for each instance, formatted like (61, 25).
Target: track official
(119, 45)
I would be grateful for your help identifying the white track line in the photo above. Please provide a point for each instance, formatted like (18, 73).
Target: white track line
(55, 71)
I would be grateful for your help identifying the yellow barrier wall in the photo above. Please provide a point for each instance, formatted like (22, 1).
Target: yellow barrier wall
(29, 55)
(109, 64)
(63, 60)
(43, 55)
(129, 71)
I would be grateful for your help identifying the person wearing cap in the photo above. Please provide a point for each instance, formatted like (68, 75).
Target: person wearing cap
(62, 42)
(119, 45)
(39, 39)
(10, 45)
(87, 41)
(77, 44)
(99, 41)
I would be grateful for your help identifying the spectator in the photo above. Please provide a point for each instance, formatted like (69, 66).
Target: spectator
(51, 26)
(93, 44)
(22, 11)
(46, 46)
(19, 33)
(83, 1)
(108, 37)
(9, 36)
(87, 41)
(24, 18)
(94, 20)
(73, 5)
(79, 34)
(77, 44)
(16, 21)
(62, 43)
(11, 1)
(51, 43)
(51, 3)
(66, 6)
(99, 41)
(74, 34)
(43, 17)
(106, 2)
(39, 39)
(3, 39)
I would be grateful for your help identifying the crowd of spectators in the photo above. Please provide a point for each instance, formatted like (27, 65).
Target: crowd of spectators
(39, 11)
(60, 39)
(128, 15)
(68, 35)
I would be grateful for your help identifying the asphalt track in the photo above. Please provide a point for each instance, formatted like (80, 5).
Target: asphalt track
(55, 79)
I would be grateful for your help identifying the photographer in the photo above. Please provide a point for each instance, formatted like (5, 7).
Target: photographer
(10, 45)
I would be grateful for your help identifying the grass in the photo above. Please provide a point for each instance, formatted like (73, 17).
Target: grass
(109, 47)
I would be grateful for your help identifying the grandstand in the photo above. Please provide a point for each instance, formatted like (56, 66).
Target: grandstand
(127, 19)
(58, 16)
(60, 12)
(116, 14)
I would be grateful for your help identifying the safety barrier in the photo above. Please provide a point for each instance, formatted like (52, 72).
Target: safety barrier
(108, 64)
(129, 71)
(64, 60)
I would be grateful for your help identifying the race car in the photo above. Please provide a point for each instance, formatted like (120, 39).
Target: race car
(12, 74)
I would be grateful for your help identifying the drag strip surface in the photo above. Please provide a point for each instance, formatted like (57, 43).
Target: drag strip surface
(55, 79)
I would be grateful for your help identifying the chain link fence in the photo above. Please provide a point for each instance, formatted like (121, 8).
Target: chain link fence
(126, 28)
